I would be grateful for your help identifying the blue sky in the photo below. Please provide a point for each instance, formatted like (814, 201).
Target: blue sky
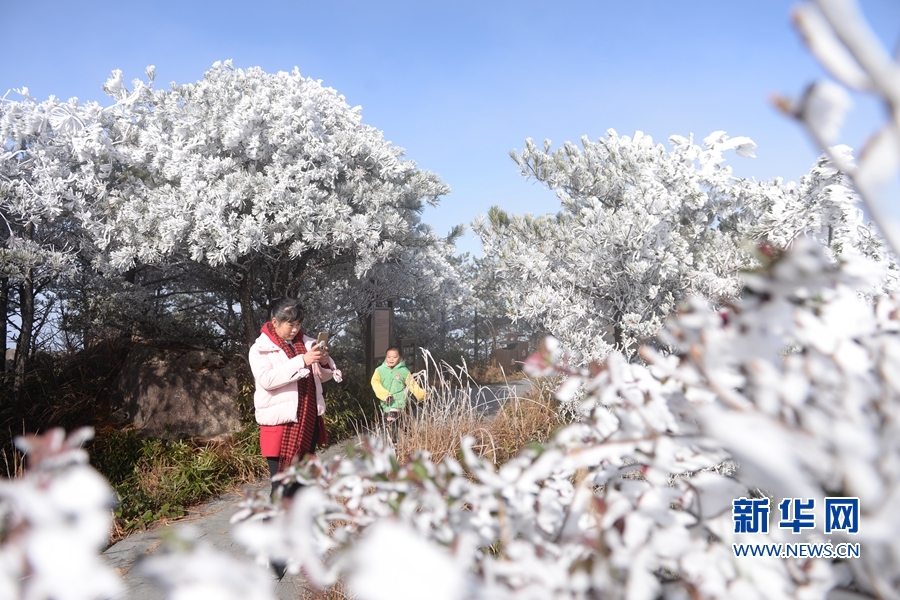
(460, 84)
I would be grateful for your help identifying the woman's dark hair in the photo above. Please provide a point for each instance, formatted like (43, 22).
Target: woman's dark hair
(287, 309)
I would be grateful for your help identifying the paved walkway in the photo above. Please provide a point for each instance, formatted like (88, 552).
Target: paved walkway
(211, 522)
(489, 398)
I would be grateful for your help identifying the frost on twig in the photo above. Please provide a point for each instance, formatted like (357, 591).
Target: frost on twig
(55, 521)
(839, 37)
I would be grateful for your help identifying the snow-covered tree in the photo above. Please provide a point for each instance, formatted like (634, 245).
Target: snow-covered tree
(270, 182)
(825, 207)
(640, 228)
(49, 150)
(490, 310)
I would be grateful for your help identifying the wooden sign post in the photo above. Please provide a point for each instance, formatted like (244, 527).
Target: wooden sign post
(379, 333)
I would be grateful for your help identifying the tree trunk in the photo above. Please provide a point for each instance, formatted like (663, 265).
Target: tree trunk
(618, 332)
(251, 330)
(4, 315)
(475, 345)
(23, 347)
(365, 322)
(493, 357)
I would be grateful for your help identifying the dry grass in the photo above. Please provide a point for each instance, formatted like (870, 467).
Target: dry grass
(519, 422)
(498, 437)
(439, 435)
(448, 414)
(15, 464)
(159, 480)
(493, 373)
(338, 591)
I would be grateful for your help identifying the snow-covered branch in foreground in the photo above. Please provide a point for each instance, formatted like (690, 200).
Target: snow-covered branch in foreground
(839, 37)
(55, 521)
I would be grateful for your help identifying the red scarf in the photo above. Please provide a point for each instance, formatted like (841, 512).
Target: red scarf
(300, 438)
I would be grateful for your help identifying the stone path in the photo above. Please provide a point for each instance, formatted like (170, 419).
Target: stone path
(210, 523)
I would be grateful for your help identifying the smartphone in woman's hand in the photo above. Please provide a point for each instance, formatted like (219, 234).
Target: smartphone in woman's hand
(320, 341)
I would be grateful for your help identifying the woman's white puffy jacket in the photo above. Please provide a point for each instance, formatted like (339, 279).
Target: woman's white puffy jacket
(276, 375)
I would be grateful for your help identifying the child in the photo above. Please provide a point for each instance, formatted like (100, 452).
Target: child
(391, 381)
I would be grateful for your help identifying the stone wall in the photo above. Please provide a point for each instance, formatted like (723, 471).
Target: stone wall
(173, 393)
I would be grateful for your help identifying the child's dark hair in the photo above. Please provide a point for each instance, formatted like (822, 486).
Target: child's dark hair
(287, 309)
(395, 349)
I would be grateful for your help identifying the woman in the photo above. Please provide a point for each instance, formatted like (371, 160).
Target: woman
(288, 369)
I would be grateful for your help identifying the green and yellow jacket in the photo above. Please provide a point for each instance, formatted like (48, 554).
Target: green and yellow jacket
(392, 384)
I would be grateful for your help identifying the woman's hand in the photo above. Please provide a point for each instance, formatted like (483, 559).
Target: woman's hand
(324, 360)
(314, 355)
